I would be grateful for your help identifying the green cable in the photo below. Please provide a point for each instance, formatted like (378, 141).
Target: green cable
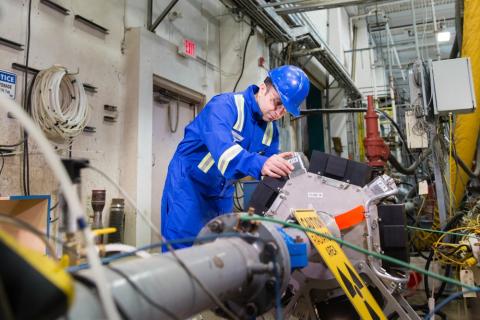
(442, 232)
(362, 250)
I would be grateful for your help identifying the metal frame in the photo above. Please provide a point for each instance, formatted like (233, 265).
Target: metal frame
(320, 5)
(276, 27)
(151, 26)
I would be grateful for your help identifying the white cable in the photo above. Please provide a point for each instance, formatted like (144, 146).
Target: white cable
(9, 106)
(59, 103)
(120, 247)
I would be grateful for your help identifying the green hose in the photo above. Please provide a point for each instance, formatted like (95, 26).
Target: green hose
(362, 250)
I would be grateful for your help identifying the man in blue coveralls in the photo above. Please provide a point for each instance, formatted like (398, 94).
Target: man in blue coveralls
(234, 136)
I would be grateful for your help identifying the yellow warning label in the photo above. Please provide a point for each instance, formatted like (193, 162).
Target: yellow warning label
(341, 267)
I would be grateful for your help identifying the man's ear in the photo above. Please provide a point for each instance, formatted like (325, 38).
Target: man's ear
(263, 88)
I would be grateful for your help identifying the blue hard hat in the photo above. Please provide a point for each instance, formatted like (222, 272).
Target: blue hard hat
(292, 85)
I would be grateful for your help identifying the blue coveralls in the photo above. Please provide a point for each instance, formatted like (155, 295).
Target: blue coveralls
(228, 140)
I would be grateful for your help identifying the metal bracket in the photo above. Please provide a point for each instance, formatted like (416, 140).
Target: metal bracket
(152, 26)
(11, 44)
(91, 24)
(55, 6)
(394, 301)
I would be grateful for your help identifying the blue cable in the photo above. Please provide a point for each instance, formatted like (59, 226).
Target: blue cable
(446, 301)
(105, 261)
(117, 256)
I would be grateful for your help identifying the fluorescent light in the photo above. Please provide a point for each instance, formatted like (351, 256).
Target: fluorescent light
(443, 36)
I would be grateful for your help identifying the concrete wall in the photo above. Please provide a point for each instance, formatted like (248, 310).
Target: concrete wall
(122, 65)
(59, 39)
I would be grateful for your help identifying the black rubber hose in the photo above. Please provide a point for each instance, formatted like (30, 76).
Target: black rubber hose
(411, 169)
(400, 133)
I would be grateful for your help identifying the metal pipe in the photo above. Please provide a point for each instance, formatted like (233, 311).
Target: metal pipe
(163, 15)
(412, 3)
(339, 110)
(439, 56)
(149, 14)
(230, 267)
(372, 67)
(395, 52)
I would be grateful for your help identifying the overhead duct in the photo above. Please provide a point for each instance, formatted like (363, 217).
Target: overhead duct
(279, 30)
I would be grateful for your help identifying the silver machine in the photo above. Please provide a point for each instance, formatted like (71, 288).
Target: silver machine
(248, 265)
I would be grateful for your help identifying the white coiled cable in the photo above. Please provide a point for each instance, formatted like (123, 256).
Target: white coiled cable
(59, 103)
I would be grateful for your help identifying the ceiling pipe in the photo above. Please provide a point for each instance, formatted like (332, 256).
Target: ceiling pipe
(439, 56)
(417, 47)
(395, 52)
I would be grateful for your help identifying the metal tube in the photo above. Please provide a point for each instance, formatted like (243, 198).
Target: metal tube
(225, 266)
(395, 52)
(163, 15)
(412, 2)
(439, 56)
(339, 110)
(149, 14)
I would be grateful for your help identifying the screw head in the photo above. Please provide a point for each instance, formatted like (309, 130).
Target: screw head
(251, 309)
(216, 226)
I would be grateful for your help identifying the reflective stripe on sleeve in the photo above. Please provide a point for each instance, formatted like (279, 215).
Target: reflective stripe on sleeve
(268, 135)
(206, 163)
(239, 103)
(227, 156)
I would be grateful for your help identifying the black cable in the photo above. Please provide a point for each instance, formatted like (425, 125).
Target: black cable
(92, 286)
(26, 106)
(142, 294)
(450, 224)
(6, 218)
(236, 198)
(252, 32)
(3, 162)
(54, 206)
(400, 133)
(12, 145)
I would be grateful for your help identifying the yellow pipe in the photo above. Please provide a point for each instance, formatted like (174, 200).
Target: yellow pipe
(467, 125)
(361, 136)
(100, 232)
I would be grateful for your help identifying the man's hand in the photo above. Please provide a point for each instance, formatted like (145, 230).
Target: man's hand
(276, 166)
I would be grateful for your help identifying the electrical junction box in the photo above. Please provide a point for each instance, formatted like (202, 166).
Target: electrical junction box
(452, 86)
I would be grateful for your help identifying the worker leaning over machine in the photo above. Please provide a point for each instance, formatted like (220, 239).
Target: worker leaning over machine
(234, 136)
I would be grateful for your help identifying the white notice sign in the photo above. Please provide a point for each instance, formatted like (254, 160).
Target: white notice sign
(8, 82)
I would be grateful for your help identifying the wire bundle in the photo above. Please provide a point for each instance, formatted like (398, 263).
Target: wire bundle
(59, 103)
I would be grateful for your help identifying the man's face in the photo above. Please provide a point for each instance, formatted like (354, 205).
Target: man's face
(270, 103)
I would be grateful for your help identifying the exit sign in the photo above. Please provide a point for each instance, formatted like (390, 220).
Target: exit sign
(188, 48)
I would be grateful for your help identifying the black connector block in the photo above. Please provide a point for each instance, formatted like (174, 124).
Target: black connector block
(357, 173)
(265, 193)
(392, 222)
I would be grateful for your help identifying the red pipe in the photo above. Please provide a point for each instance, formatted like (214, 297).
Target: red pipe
(376, 148)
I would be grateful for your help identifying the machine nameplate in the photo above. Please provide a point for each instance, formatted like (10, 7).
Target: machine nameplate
(315, 195)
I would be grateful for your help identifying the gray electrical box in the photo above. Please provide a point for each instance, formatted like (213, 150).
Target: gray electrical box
(452, 86)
